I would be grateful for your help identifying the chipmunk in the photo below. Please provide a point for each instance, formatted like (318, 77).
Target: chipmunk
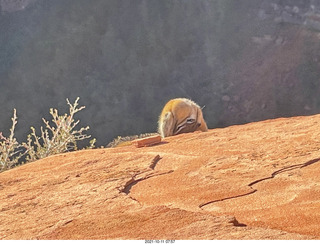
(180, 115)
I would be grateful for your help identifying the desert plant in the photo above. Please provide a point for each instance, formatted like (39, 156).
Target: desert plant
(59, 136)
(10, 150)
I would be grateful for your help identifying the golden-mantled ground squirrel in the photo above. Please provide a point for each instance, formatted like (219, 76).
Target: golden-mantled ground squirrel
(180, 115)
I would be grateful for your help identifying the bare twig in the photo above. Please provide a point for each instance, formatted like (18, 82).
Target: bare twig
(10, 150)
(59, 137)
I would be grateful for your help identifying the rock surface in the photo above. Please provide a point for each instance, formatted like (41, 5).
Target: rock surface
(253, 181)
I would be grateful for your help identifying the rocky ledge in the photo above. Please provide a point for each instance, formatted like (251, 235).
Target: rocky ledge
(254, 181)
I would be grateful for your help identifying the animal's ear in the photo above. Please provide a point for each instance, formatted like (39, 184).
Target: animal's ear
(166, 125)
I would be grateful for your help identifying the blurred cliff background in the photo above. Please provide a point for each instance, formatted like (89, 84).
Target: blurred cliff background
(244, 61)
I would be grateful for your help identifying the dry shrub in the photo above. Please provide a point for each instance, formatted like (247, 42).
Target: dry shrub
(11, 151)
(58, 136)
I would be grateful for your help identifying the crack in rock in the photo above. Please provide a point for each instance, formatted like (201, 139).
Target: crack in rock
(227, 198)
(285, 169)
(127, 187)
(143, 176)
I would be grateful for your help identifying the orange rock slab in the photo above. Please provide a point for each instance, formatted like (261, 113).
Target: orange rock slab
(253, 181)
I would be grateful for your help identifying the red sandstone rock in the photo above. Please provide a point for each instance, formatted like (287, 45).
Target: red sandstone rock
(147, 141)
(254, 181)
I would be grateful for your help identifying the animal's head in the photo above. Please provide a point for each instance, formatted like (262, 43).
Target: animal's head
(181, 115)
(187, 116)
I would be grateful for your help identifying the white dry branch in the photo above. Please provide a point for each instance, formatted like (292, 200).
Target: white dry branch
(10, 150)
(59, 136)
